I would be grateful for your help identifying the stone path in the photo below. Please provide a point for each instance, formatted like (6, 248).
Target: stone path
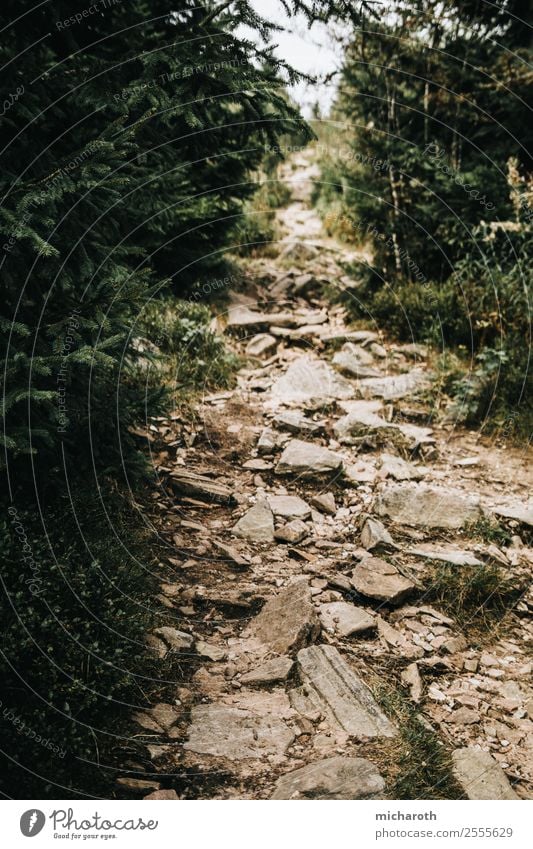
(305, 512)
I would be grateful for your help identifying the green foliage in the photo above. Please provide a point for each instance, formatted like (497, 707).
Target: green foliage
(73, 607)
(427, 165)
(194, 356)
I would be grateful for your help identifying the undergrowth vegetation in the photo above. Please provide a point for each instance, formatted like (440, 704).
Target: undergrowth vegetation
(424, 163)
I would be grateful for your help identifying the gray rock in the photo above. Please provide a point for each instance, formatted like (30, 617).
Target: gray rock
(428, 506)
(480, 776)
(325, 502)
(375, 578)
(393, 387)
(236, 734)
(355, 361)
(289, 506)
(332, 778)
(308, 460)
(257, 524)
(296, 422)
(340, 695)
(399, 469)
(288, 621)
(273, 671)
(345, 619)
(174, 639)
(244, 317)
(411, 678)
(293, 532)
(261, 344)
(311, 381)
(362, 420)
(268, 441)
(446, 554)
(519, 511)
(375, 535)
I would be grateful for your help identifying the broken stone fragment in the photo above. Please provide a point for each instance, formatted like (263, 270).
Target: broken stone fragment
(174, 639)
(309, 380)
(399, 469)
(161, 794)
(137, 785)
(289, 506)
(375, 578)
(293, 532)
(375, 535)
(237, 734)
(393, 387)
(308, 460)
(200, 486)
(355, 361)
(210, 651)
(345, 619)
(340, 695)
(410, 677)
(325, 502)
(519, 511)
(427, 506)
(480, 776)
(257, 524)
(445, 553)
(296, 422)
(332, 778)
(267, 442)
(288, 621)
(271, 672)
(261, 344)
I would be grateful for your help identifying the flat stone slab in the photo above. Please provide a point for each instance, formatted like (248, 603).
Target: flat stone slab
(427, 506)
(519, 511)
(270, 672)
(446, 554)
(296, 422)
(375, 578)
(332, 778)
(289, 506)
(236, 734)
(310, 380)
(345, 619)
(396, 467)
(288, 621)
(363, 419)
(261, 344)
(393, 387)
(480, 775)
(257, 524)
(340, 695)
(356, 361)
(308, 460)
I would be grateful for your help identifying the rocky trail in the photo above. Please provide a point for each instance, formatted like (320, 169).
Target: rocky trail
(313, 516)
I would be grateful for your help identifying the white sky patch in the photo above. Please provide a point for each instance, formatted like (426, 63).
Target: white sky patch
(310, 50)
